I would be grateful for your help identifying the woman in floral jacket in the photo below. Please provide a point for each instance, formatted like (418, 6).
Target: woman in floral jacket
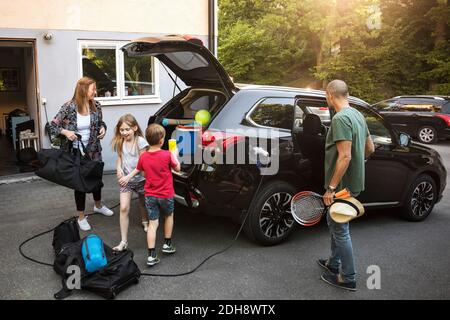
(82, 115)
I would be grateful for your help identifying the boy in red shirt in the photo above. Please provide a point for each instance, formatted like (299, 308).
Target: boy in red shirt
(159, 192)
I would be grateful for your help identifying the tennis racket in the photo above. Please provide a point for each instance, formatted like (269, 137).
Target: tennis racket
(308, 208)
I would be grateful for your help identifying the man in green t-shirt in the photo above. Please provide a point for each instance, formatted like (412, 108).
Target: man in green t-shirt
(348, 144)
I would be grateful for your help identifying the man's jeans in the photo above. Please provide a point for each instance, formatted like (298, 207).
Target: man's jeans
(341, 249)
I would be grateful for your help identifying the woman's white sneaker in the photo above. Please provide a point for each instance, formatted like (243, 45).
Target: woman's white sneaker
(104, 211)
(84, 224)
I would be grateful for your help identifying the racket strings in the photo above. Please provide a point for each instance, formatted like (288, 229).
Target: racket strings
(308, 209)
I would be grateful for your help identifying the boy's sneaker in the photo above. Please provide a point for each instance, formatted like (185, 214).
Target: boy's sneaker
(336, 281)
(168, 248)
(324, 264)
(104, 211)
(84, 224)
(151, 261)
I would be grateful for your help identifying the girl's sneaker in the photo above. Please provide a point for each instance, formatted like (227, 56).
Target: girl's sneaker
(168, 248)
(151, 261)
(104, 210)
(84, 224)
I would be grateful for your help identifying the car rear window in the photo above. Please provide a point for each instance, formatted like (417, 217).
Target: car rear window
(187, 60)
(446, 108)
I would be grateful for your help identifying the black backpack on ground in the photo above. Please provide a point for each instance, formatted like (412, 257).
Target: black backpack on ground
(120, 272)
(65, 232)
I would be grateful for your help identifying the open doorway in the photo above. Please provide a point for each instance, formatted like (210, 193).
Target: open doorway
(18, 105)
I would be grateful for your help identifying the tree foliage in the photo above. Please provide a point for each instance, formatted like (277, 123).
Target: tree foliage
(381, 48)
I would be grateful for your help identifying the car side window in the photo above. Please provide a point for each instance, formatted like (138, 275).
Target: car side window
(379, 133)
(420, 105)
(319, 108)
(274, 112)
(387, 105)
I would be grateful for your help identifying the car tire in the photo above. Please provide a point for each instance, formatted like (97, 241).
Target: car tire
(421, 199)
(427, 135)
(269, 220)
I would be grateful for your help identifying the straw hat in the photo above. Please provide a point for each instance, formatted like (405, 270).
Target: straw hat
(344, 210)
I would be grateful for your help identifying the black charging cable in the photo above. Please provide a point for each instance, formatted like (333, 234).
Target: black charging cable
(45, 232)
(145, 273)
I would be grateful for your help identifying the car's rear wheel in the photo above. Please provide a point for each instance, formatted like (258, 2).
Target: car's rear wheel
(270, 219)
(427, 134)
(421, 199)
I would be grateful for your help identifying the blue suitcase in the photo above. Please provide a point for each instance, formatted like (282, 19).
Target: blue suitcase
(93, 253)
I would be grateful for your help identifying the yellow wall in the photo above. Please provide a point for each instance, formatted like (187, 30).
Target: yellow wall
(149, 16)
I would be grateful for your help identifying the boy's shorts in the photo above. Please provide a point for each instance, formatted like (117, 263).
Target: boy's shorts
(156, 205)
(136, 186)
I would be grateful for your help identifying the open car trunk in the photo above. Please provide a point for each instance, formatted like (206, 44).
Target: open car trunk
(209, 88)
(180, 114)
(210, 85)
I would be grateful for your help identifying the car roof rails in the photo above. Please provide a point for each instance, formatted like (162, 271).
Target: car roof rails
(423, 97)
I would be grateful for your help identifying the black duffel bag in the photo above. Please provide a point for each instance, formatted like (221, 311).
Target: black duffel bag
(71, 169)
(120, 272)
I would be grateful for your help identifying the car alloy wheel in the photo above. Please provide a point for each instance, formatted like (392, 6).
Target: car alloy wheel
(422, 199)
(275, 218)
(427, 134)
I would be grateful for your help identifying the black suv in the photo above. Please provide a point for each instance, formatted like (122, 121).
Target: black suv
(426, 118)
(283, 143)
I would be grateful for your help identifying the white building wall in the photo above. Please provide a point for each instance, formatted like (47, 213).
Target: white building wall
(149, 16)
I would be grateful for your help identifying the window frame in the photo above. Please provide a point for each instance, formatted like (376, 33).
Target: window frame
(121, 98)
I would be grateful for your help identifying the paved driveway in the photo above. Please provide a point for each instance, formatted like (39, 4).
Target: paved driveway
(413, 257)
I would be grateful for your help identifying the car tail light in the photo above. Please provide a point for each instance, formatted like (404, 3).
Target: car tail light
(445, 117)
(220, 139)
(323, 108)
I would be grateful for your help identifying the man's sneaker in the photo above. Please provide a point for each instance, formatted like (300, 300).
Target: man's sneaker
(151, 261)
(335, 280)
(324, 264)
(84, 224)
(104, 211)
(168, 248)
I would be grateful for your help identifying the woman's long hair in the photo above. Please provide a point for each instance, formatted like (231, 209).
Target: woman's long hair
(80, 95)
(117, 141)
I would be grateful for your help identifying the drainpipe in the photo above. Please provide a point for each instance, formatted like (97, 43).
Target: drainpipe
(212, 26)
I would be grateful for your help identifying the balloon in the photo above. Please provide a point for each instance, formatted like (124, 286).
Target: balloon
(203, 117)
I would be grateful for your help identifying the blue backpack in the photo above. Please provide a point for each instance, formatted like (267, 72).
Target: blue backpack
(93, 253)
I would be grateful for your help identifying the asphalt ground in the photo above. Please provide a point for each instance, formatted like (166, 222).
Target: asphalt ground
(413, 258)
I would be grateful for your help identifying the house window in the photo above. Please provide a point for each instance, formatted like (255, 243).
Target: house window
(119, 78)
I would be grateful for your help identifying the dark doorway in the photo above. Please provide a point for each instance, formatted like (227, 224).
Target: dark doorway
(18, 104)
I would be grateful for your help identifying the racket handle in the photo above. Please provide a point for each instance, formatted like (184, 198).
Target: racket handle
(344, 193)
